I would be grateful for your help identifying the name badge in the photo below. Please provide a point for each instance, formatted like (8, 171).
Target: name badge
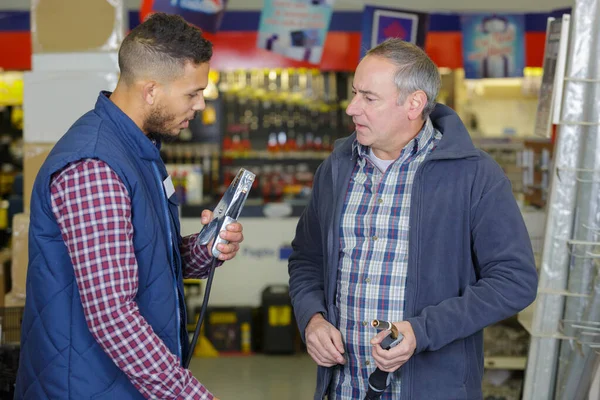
(169, 188)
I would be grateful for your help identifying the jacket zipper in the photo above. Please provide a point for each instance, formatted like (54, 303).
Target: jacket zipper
(331, 234)
(406, 378)
(330, 257)
(167, 216)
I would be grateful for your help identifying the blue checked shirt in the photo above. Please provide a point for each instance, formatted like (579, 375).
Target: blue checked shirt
(373, 258)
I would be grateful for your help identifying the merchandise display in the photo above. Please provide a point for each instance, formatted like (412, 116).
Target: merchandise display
(274, 120)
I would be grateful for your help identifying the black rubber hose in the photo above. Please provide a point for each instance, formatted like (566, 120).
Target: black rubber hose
(377, 384)
(211, 274)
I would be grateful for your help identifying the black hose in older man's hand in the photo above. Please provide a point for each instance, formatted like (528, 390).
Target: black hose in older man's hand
(378, 382)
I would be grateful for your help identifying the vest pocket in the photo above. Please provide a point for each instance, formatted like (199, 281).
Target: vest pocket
(119, 389)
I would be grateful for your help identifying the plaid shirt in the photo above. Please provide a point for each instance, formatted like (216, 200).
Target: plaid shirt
(93, 210)
(373, 258)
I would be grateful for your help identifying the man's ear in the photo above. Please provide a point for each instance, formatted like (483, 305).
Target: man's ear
(415, 103)
(149, 92)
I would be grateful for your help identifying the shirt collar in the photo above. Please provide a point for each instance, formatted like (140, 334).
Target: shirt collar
(417, 143)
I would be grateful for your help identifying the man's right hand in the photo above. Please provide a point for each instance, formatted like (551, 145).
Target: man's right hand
(324, 342)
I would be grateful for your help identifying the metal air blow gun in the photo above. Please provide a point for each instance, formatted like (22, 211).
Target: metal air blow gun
(227, 211)
(379, 380)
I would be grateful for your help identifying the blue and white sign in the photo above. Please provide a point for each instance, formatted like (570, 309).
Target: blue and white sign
(493, 45)
(295, 28)
(205, 14)
(380, 24)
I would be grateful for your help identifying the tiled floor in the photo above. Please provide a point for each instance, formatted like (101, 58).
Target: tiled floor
(257, 377)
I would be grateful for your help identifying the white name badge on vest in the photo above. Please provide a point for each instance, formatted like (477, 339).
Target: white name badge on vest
(169, 188)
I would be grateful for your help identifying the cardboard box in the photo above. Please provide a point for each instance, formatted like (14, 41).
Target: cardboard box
(54, 100)
(63, 26)
(34, 155)
(20, 258)
(12, 316)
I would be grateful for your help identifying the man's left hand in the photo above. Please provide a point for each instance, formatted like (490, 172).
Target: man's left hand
(392, 359)
(232, 233)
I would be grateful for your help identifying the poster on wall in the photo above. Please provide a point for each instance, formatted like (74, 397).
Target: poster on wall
(381, 23)
(555, 58)
(493, 45)
(295, 28)
(205, 14)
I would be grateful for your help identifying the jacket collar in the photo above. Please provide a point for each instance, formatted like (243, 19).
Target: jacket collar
(455, 143)
(130, 132)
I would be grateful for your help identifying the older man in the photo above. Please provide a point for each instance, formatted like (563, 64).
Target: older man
(408, 222)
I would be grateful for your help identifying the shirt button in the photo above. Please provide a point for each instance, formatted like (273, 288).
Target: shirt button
(368, 280)
(380, 201)
(365, 323)
(374, 237)
(367, 362)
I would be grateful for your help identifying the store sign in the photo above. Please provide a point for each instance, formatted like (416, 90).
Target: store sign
(380, 24)
(258, 252)
(205, 14)
(295, 28)
(282, 253)
(493, 45)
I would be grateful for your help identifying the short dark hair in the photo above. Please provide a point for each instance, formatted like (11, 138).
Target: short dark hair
(160, 47)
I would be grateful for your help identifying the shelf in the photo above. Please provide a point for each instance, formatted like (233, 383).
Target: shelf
(505, 362)
(283, 156)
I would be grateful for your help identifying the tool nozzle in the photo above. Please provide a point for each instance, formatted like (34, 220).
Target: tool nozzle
(385, 326)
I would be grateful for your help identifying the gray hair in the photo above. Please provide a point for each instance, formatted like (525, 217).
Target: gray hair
(415, 70)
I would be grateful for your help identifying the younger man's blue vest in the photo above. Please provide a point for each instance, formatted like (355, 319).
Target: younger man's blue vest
(59, 357)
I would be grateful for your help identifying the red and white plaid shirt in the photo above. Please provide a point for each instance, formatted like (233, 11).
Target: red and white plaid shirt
(93, 209)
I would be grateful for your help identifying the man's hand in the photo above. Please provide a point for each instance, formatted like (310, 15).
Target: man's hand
(392, 359)
(233, 234)
(324, 342)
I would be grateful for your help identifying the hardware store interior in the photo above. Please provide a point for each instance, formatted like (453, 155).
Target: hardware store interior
(278, 114)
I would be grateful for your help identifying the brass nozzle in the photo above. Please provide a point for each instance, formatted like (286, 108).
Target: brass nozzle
(386, 326)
